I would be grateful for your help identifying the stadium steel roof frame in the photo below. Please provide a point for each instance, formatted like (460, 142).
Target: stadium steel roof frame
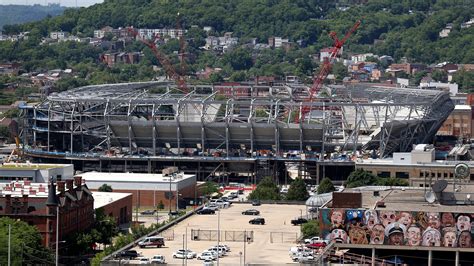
(133, 116)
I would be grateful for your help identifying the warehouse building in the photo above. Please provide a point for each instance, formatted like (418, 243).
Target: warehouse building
(147, 189)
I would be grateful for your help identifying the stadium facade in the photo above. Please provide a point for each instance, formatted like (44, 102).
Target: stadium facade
(145, 126)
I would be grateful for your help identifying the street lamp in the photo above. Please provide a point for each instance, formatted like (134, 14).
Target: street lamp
(218, 233)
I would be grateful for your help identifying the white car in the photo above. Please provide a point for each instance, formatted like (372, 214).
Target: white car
(312, 240)
(208, 263)
(221, 251)
(207, 256)
(144, 260)
(225, 247)
(158, 259)
(182, 254)
(211, 206)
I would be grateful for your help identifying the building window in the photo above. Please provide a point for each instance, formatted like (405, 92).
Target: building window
(402, 175)
(445, 175)
(472, 176)
(383, 174)
(421, 185)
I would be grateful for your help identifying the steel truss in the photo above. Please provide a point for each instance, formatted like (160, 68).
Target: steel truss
(153, 118)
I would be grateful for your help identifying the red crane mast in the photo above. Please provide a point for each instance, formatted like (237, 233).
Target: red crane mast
(326, 67)
(163, 59)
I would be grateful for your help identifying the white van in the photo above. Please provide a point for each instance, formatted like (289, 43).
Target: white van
(157, 241)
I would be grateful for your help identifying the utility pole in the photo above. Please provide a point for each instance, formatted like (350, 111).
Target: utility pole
(245, 242)
(218, 233)
(9, 243)
(57, 235)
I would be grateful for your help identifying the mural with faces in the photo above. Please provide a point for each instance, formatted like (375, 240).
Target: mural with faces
(408, 228)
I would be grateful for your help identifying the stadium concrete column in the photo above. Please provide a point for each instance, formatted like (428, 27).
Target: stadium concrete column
(72, 128)
(154, 129)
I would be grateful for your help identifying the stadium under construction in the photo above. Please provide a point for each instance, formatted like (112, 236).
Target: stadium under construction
(250, 131)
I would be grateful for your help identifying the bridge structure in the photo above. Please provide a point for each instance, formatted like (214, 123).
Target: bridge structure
(254, 130)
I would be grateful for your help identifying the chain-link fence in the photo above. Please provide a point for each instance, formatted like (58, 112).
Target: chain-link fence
(283, 237)
(167, 234)
(211, 235)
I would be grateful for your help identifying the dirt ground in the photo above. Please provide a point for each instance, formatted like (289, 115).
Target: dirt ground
(271, 241)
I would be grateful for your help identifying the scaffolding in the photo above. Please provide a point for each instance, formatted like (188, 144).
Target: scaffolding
(151, 119)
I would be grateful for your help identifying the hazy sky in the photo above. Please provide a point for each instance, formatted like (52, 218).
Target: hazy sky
(45, 2)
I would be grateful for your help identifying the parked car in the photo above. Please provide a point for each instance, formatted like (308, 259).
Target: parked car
(251, 212)
(315, 245)
(299, 221)
(212, 207)
(225, 247)
(303, 256)
(158, 259)
(256, 203)
(152, 241)
(181, 254)
(216, 251)
(313, 209)
(148, 212)
(240, 191)
(206, 255)
(144, 260)
(313, 239)
(130, 254)
(257, 221)
(206, 211)
(208, 263)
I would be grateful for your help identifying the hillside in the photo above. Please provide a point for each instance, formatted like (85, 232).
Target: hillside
(17, 14)
(400, 29)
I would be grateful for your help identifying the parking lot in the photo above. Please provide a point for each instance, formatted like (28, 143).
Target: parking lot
(271, 241)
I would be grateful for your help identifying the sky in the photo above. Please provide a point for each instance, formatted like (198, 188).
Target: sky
(69, 3)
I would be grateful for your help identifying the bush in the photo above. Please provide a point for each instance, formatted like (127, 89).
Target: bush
(266, 190)
(311, 228)
(297, 190)
(326, 186)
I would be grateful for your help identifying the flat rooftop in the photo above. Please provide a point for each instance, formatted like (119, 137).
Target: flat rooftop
(390, 162)
(413, 199)
(31, 166)
(103, 198)
(133, 177)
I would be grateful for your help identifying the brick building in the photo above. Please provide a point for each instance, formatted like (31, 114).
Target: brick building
(147, 189)
(114, 204)
(458, 123)
(35, 203)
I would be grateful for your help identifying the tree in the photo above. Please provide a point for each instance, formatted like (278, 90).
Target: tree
(391, 181)
(161, 205)
(297, 190)
(360, 177)
(26, 244)
(326, 186)
(309, 229)
(105, 188)
(209, 188)
(439, 75)
(106, 226)
(266, 190)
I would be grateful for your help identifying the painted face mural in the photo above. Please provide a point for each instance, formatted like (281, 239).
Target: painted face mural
(409, 228)
(431, 238)
(387, 217)
(377, 235)
(463, 222)
(357, 235)
(337, 218)
(354, 216)
(405, 218)
(395, 233)
(447, 219)
(464, 240)
(338, 235)
(371, 218)
(433, 219)
(449, 237)
(413, 235)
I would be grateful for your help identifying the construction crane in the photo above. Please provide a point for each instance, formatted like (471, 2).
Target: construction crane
(326, 68)
(164, 60)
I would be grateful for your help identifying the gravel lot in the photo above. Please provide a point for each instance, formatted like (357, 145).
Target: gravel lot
(261, 251)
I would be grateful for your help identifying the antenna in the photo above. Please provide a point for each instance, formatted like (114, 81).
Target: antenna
(439, 186)
(430, 197)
